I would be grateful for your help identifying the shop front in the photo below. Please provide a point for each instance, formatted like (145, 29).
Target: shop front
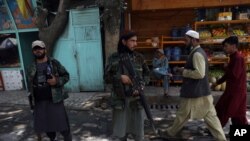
(169, 20)
(79, 49)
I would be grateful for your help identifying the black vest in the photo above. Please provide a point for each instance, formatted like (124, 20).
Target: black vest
(193, 88)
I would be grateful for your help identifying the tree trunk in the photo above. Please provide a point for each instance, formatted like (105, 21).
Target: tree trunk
(111, 42)
(51, 33)
(112, 19)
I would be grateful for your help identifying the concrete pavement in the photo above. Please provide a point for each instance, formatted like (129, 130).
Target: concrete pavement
(90, 116)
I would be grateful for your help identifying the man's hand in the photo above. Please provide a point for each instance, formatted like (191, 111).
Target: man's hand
(52, 81)
(225, 65)
(170, 75)
(180, 69)
(126, 80)
(136, 93)
(213, 86)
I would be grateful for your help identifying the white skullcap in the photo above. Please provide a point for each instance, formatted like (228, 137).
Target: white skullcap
(193, 34)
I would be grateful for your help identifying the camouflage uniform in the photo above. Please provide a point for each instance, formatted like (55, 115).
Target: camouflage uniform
(128, 112)
(58, 93)
(56, 119)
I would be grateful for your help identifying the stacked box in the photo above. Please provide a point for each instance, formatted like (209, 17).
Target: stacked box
(12, 80)
(225, 16)
(242, 16)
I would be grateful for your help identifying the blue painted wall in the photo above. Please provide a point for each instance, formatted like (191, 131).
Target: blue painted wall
(80, 51)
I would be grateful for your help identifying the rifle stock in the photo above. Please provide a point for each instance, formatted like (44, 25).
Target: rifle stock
(30, 101)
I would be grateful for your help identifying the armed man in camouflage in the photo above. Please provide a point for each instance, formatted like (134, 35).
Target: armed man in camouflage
(128, 114)
(46, 80)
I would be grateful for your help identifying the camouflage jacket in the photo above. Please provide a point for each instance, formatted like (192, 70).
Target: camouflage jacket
(58, 93)
(115, 69)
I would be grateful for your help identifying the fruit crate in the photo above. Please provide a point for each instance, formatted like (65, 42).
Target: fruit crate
(219, 59)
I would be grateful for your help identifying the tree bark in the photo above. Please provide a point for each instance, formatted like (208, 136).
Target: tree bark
(51, 33)
(111, 42)
(111, 18)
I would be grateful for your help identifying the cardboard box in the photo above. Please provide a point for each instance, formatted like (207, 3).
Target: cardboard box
(242, 16)
(222, 16)
(12, 80)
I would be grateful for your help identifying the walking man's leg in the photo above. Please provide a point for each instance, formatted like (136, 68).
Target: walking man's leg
(182, 117)
(214, 125)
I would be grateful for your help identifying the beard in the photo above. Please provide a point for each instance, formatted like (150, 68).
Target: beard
(188, 48)
(41, 56)
(124, 49)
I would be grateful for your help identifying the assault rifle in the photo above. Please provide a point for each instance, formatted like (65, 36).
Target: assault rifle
(138, 85)
(30, 101)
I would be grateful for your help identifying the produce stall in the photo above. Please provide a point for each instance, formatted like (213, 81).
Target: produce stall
(213, 20)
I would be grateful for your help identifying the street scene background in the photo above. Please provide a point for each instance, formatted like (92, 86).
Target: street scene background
(90, 117)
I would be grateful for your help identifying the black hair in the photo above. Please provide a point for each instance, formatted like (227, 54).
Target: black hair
(232, 40)
(121, 47)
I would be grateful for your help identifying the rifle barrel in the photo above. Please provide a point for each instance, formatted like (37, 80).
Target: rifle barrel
(147, 111)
